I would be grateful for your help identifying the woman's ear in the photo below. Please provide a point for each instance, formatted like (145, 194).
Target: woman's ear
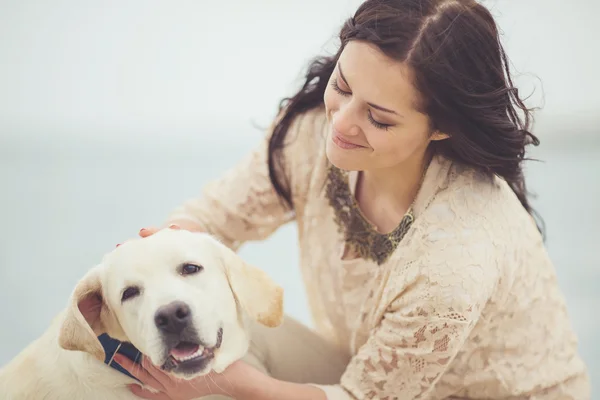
(437, 136)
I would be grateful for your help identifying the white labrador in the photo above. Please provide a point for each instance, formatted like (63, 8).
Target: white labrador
(183, 299)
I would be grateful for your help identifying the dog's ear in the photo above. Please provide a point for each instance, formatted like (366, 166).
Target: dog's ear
(83, 318)
(253, 289)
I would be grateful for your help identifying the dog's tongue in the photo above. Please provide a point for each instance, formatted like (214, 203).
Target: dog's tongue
(184, 349)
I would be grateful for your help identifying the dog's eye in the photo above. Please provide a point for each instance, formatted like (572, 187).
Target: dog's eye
(190, 269)
(130, 292)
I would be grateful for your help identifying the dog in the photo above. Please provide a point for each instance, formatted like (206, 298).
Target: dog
(183, 299)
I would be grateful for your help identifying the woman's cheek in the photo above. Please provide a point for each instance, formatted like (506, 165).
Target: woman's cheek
(331, 100)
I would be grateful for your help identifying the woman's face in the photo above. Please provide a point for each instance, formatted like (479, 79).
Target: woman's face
(370, 102)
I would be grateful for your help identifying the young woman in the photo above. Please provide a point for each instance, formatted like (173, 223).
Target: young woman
(400, 159)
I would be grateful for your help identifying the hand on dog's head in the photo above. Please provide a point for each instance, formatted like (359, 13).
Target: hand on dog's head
(181, 298)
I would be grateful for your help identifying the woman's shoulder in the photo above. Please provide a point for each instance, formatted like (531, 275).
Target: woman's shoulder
(303, 151)
(474, 198)
(307, 130)
(471, 210)
(303, 144)
(463, 236)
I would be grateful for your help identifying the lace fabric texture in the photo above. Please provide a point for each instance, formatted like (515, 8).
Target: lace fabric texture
(460, 301)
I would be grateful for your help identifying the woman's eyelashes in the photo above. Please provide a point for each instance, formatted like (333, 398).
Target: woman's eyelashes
(338, 89)
(375, 123)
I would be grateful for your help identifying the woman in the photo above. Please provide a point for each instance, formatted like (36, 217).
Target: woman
(400, 159)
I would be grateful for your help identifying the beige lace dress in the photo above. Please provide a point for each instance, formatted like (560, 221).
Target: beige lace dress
(460, 301)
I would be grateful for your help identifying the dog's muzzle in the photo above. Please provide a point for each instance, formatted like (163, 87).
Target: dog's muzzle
(185, 350)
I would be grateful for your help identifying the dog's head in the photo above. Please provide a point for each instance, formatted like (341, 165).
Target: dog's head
(182, 298)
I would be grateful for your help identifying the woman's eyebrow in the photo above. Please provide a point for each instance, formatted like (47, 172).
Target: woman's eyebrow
(380, 108)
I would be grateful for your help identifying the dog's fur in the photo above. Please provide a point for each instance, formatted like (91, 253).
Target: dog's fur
(66, 362)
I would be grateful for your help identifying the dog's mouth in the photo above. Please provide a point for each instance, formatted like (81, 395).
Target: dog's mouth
(190, 357)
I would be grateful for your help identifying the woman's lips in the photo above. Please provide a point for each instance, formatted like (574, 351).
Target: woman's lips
(343, 143)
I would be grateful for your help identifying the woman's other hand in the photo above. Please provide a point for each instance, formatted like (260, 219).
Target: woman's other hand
(172, 388)
(151, 230)
(188, 226)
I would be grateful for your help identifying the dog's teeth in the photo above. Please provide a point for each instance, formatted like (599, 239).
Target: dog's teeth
(196, 354)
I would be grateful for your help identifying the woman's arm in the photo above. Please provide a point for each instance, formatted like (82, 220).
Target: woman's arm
(434, 304)
(258, 386)
(242, 205)
(239, 381)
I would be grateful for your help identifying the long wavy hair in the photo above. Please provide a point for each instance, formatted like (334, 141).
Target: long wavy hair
(462, 73)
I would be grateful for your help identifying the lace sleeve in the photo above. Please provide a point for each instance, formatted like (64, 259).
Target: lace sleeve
(438, 301)
(242, 204)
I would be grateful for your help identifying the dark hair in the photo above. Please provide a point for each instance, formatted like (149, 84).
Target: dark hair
(461, 72)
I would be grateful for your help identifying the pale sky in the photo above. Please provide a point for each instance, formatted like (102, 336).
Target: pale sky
(120, 68)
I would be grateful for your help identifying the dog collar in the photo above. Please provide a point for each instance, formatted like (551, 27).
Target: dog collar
(113, 346)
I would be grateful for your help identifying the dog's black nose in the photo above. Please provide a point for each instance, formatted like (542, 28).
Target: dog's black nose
(173, 318)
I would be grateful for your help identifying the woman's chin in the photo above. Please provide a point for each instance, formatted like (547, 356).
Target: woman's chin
(340, 158)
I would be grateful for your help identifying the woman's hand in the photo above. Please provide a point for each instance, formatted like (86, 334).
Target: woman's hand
(188, 226)
(149, 231)
(239, 381)
(172, 388)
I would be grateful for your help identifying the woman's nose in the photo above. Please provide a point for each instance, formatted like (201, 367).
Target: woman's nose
(344, 120)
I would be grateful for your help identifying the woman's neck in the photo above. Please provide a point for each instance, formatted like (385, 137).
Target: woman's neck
(396, 186)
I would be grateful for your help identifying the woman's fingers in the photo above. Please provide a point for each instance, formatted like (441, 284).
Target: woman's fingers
(146, 394)
(165, 380)
(149, 231)
(139, 372)
(145, 232)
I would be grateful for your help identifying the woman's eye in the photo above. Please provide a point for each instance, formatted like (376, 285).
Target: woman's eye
(338, 89)
(190, 269)
(130, 292)
(377, 124)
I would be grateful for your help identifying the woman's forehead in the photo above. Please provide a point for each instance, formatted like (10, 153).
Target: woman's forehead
(376, 78)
